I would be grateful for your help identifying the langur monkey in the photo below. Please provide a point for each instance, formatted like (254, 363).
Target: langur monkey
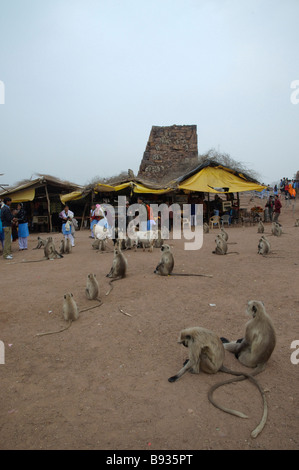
(206, 228)
(99, 244)
(158, 242)
(221, 246)
(206, 353)
(255, 349)
(50, 252)
(224, 234)
(260, 228)
(70, 313)
(276, 229)
(263, 246)
(166, 264)
(65, 246)
(119, 266)
(40, 242)
(145, 239)
(92, 290)
(70, 309)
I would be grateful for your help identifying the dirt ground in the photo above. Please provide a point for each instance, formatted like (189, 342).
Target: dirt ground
(102, 384)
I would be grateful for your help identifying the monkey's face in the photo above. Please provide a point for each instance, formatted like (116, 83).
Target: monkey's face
(184, 339)
(165, 248)
(253, 307)
(68, 296)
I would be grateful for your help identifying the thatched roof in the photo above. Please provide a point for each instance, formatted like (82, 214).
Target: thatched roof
(210, 162)
(40, 181)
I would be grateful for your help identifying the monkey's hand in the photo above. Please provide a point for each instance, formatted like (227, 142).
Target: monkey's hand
(224, 340)
(173, 378)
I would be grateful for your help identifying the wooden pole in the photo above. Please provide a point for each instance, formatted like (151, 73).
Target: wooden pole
(82, 221)
(49, 209)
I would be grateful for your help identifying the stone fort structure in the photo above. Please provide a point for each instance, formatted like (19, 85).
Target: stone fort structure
(170, 151)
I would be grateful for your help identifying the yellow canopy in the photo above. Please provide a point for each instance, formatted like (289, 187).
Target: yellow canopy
(139, 188)
(22, 195)
(214, 179)
(107, 188)
(73, 196)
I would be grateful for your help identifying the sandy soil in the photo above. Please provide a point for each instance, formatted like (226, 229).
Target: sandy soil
(102, 384)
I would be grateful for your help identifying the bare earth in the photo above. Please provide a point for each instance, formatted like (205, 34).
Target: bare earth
(102, 384)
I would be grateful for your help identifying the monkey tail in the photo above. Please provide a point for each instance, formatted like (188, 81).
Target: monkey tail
(57, 331)
(111, 286)
(220, 407)
(243, 376)
(95, 306)
(186, 274)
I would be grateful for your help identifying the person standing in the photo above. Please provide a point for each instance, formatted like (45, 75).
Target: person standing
(270, 205)
(23, 232)
(277, 207)
(92, 219)
(143, 226)
(66, 215)
(7, 218)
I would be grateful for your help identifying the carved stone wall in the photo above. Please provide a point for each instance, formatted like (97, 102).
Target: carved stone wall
(169, 152)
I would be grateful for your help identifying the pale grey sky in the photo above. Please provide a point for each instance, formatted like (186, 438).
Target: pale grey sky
(85, 80)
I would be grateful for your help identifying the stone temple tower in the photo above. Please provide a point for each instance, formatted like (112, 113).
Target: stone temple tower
(170, 151)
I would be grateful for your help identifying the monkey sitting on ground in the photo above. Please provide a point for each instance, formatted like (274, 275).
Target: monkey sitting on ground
(206, 353)
(260, 228)
(296, 223)
(119, 266)
(92, 290)
(224, 234)
(206, 228)
(166, 264)
(65, 246)
(40, 242)
(276, 229)
(158, 242)
(145, 239)
(255, 349)
(221, 246)
(70, 309)
(70, 313)
(50, 252)
(263, 246)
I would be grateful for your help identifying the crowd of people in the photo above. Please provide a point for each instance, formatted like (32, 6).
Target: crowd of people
(289, 188)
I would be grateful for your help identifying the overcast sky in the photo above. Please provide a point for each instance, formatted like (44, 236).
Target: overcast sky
(83, 82)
